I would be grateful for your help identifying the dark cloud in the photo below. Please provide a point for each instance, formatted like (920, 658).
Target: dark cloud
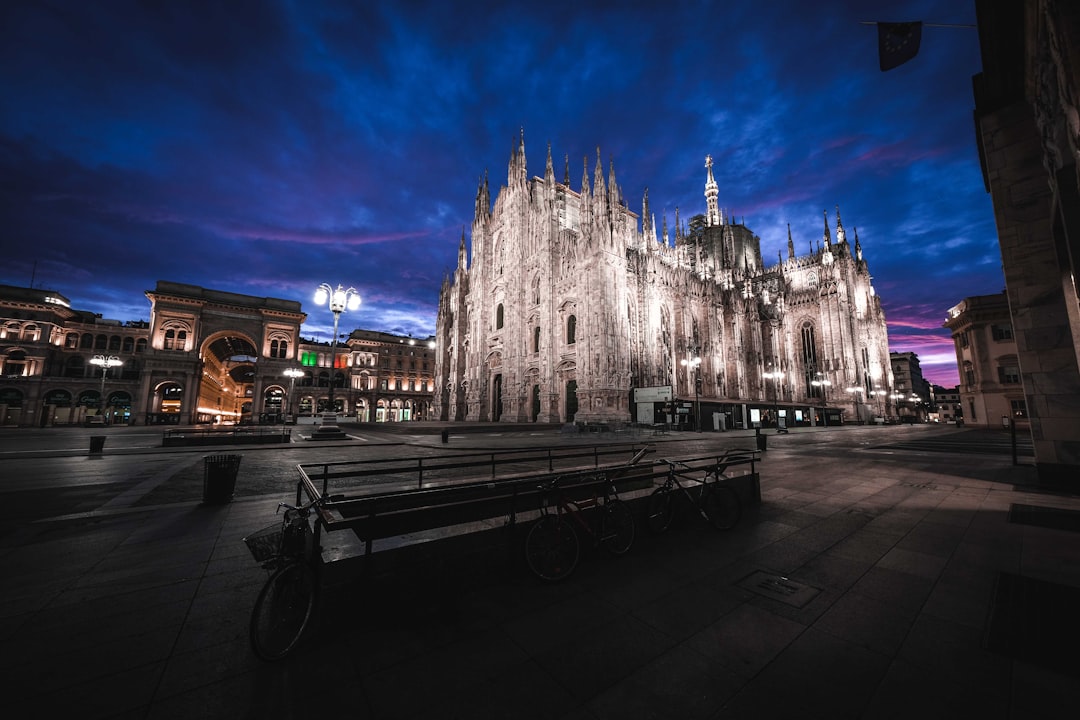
(265, 147)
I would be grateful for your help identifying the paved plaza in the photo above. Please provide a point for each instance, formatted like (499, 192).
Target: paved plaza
(889, 572)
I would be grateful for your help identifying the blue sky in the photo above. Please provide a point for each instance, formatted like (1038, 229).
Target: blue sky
(266, 147)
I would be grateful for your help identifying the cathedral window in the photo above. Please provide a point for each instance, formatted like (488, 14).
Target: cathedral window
(536, 339)
(571, 330)
(499, 317)
(101, 342)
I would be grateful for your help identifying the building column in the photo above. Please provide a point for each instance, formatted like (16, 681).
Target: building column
(1033, 246)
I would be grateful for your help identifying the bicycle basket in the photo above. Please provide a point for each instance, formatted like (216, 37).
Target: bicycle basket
(266, 543)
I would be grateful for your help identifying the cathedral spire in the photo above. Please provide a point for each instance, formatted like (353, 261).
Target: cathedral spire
(483, 200)
(790, 244)
(678, 227)
(566, 173)
(858, 245)
(667, 239)
(826, 237)
(583, 198)
(613, 187)
(711, 192)
(517, 173)
(462, 255)
(646, 228)
(598, 177)
(549, 170)
(841, 236)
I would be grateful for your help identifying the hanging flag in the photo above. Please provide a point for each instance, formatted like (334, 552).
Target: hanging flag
(897, 43)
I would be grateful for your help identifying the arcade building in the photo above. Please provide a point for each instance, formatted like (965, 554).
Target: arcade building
(204, 357)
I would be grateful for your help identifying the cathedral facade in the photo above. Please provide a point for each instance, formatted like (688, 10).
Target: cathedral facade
(573, 308)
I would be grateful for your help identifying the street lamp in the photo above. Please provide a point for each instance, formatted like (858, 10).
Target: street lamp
(337, 301)
(855, 390)
(777, 376)
(820, 382)
(292, 374)
(693, 363)
(105, 362)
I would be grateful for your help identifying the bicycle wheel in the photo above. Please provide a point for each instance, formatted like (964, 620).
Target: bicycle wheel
(659, 510)
(552, 548)
(283, 610)
(617, 528)
(721, 506)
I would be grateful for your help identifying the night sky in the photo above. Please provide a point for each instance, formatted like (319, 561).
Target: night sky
(266, 147)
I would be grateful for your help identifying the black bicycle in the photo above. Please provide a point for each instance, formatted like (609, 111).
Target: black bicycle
(713, 498)
(283, 610)
(552, 546)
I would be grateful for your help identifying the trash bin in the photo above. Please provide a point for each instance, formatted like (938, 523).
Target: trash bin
(219, 477)
(762, 441)
(97, 443)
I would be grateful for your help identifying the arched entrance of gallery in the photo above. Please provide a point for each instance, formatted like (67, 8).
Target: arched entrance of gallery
(226, 392)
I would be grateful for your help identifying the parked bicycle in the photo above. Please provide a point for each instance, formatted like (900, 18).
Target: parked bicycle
(289, 550)
(712, 497)
(553, 546)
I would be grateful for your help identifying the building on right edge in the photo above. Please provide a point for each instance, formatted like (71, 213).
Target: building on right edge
(1027, 126)
(990, 390)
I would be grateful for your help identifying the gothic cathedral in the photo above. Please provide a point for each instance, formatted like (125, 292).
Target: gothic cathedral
(571, 312)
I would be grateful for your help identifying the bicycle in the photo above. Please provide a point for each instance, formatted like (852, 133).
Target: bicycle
(716, 502)
(289, 550)
(552, 545)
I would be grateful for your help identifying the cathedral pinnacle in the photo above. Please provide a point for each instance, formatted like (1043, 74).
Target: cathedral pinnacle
(790, 244)
(713, 216)
(858, 246)
(826, 237)
(841, 237)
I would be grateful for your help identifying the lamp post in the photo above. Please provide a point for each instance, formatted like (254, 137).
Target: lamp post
(819, 381)
(292, 374)
(777, 376)
(105, 362)
(693, 362)
(337, 301)
(879, 403)
(855, 390)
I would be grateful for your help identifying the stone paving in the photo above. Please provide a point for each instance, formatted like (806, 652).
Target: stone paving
(863, 586)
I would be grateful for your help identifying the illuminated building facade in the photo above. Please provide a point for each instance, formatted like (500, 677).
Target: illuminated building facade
(205, 357)
(569, 309)
(986, 356)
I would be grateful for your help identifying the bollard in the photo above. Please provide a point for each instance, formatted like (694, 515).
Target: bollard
(97, 444)
(445, 436)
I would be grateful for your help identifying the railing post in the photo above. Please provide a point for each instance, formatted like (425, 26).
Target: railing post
(595, 457)
(492, 466)
(551, 466)
(420, 473)
(325, 479)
